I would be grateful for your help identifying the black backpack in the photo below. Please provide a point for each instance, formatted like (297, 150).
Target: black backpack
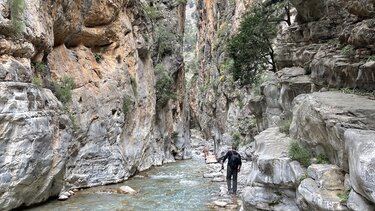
(235, 159)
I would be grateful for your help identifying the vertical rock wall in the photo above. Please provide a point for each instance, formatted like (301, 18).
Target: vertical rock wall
(218, 106)
(112, 127)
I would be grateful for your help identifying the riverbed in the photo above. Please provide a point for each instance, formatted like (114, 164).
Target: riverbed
(173, 186)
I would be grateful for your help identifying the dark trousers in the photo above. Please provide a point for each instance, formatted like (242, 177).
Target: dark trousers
(232, 173)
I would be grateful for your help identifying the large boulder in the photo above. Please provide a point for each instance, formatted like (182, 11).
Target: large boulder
(271, 165)
(360, 145)
(321, 118)
(273, 176)
(310, 196)
(357, 203)
(35, 138)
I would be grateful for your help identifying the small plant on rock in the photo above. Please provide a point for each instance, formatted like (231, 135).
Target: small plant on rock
(127, 104)
(98, 57)
(348, 51)
(164, 86)
(63, 89)
(284, 126)
(344, 196)
(37, 82)
(17, 8)
(299, 153)
(322, 159)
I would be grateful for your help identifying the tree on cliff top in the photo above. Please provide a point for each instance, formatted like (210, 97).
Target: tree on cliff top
(251, 49)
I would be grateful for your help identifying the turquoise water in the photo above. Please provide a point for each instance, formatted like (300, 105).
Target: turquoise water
(174, 186)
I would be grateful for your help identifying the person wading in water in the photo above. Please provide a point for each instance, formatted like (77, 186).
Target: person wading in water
(233, 167)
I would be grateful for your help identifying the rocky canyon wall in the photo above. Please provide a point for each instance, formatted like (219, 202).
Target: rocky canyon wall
(110, 124)
(321, 97)
(218, 103)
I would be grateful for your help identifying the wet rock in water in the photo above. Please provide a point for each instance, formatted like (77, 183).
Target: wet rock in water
(64, 196)
(126, 190)
(218, 179)
(212, 175)
(220, 203)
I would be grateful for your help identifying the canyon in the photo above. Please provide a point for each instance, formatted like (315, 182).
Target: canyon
(93, 92)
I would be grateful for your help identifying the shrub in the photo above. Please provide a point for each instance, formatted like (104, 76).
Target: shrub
(133, 83)
(371, 58)
(348, 51)
(98, 57)
(37, 82)
(300, 154)
(163, 87)
(322, 159)
(344, 196)
(181, 2)
(17, 8)
(152, 12)
(236, 137)
(358, 92)
(165, 41)
(127, 104)
(63, 89)
(39, 67)
(284, 125)
(251, 49)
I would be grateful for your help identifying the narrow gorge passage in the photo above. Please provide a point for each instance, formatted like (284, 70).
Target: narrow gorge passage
(97, 96)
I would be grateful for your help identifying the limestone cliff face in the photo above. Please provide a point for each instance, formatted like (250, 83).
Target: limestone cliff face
(112, 127)
(216, 104)
(328, 46)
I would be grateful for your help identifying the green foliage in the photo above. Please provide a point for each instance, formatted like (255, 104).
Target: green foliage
(133, 83)
(190, 36)
(236, 137)
(348, 51)
(358, 92)
(165, 41)
(344, 196)
(371, 58)
(63, 89)
(127, 104)
(39, 67)
(299, 153)
(322, 159)
(98, 57)
(73, 119)
(251, 49)
(181, 2)
(164, 86)
(284, 125)
(37, 82)
(17, 8)
(152, 12)
(301, 178)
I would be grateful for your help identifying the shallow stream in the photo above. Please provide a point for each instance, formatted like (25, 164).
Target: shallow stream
(175, 186)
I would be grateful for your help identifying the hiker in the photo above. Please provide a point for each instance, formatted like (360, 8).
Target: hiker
(205, 151)
(233, 167)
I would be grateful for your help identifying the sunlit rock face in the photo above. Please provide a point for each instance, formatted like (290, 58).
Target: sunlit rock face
(112, 127)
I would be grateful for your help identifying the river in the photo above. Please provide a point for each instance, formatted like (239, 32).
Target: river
(174, 186)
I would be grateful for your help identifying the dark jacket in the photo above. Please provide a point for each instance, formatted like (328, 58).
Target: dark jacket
(230, 162)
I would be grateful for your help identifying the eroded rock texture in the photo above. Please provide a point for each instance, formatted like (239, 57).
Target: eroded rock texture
(113, 126)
